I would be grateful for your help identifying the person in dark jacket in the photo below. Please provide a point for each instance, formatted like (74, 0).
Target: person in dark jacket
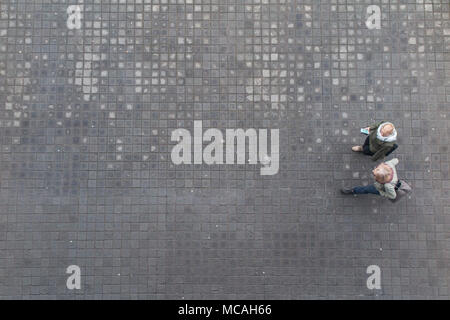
(380, 141)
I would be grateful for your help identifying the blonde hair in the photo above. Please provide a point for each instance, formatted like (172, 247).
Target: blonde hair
(382, 173)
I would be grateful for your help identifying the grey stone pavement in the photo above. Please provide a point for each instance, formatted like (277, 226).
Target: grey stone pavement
(86, 176)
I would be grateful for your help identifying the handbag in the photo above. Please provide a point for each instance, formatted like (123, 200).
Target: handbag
(402, 188)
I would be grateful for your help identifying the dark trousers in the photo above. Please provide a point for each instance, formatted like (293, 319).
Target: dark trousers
(366, 189)
(366, 148)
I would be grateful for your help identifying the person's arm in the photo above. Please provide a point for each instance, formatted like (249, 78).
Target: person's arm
(389, 191)
(380, 153)
(375, 125)
(392, 162)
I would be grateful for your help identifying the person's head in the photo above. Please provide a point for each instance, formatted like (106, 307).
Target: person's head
(381, 173)
(387, 130)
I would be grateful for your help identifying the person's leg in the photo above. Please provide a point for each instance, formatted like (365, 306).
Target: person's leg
(366, 148)
(361, 190)
(366, 189)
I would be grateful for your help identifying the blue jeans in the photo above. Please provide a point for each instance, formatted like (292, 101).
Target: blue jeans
(366, 189)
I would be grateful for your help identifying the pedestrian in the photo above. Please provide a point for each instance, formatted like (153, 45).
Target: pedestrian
(385, 183)
(380, 141)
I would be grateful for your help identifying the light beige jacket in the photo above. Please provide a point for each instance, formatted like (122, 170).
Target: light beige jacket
(388, 189)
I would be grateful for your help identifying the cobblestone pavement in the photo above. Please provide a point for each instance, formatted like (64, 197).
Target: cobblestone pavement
(86, 177)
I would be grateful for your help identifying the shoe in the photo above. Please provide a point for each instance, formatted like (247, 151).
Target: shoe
(347, 190)
(357, 148)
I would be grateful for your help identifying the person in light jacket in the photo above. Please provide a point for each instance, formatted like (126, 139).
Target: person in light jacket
(380, 141)
(386, 179)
